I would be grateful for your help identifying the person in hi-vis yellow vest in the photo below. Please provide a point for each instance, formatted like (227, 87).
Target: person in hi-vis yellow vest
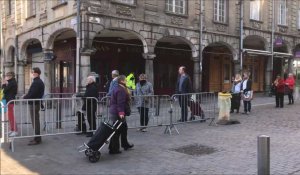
(130, 81)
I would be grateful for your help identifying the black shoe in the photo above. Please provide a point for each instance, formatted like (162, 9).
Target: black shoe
(289, 103)
(114, 152)
(179, 120)
(129, 146)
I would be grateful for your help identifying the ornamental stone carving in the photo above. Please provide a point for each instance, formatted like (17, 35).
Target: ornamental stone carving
(221, 28)
(122, 10)
(256, 24)
(282, 29)
(176, 21)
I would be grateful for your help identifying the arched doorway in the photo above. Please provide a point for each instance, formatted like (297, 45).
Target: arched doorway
(255, 63)
(63, 66)
(33, 58)
(217, 68)
(10, 58)
(171, 53)
(117, 49)
(280, 62)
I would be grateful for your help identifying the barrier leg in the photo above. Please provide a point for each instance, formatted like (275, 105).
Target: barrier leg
(58, 115)
(171, 126)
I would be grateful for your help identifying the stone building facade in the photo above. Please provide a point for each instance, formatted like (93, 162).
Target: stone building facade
(151, 36)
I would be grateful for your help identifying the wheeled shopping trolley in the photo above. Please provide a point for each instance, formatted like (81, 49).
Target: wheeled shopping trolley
(101, 137)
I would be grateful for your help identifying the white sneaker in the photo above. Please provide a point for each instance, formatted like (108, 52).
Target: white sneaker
(9, 132)
(13, 134)
(144, 130)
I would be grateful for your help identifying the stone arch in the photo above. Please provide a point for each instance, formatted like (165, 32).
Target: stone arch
(54, 35)
(11, 51)
(24, 46)
(256, 42)
(137, 34)
(193, 46)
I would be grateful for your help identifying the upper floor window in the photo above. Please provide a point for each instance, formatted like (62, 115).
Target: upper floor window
(220, 10)
(255, 10)
(176, 6)
(8, 7)
(31, 10)
(282, 12)
(131, 2)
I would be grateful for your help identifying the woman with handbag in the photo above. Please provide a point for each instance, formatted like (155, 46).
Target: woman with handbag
(143, 88)
(279, 95)
(290, 82)
(119, 109)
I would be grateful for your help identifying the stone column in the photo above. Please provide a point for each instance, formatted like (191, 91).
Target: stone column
(290, 65)
(21, 77)
(47, 76)
(268, 74)
(196, 75)
(85, 69)
(149, 69)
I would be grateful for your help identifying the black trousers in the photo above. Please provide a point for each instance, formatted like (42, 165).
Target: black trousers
(144, 118)
(114, 144)
(247, 106)
(236, 102)
(291, 97)
(91, 117)
(34, 110)
(279, 99)
(183, 102)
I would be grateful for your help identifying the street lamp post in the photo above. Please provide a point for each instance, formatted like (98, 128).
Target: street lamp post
(241, 32)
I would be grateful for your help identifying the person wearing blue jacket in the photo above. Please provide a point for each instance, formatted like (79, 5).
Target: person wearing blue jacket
(114, 82)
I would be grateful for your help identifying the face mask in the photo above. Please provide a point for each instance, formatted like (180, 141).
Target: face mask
(142, 82)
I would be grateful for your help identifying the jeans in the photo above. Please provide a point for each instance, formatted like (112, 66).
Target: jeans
(144, 118)
(247, 106)
(183, 102)
(279, 99)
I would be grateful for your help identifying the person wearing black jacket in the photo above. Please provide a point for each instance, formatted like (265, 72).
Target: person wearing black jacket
(246, 90)
(183, 87)
(36, 91)
(10, 88)
(90, 103)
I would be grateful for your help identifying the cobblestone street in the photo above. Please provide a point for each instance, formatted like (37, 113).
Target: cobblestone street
(155, 153)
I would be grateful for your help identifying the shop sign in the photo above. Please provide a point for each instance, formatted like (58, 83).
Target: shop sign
(297, 54)
(278, 42)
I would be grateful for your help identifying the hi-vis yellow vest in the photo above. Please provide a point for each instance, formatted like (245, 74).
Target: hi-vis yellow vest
(130, 81)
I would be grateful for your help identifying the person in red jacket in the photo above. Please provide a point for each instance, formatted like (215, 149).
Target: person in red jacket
(290, 82)
(279, 93)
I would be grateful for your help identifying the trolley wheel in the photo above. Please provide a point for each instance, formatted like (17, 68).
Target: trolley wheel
(95, 157)
(88, 152)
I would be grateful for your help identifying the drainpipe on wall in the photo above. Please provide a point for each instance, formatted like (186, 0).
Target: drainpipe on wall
(200, 45)
(272, 40)
(16, 44)
(78, 46)
(1, 46)
(241, 32)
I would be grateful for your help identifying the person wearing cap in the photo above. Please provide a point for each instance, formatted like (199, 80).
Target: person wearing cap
(114, 82)
(143, 88)
(290, 82)
(10, 88)
(36, 91)
(279, 93)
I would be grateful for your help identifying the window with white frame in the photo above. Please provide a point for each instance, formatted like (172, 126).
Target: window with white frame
(176, 6)
(255, 10)
(31, 7)
(131, 2)
(282, 12)
(220, 10)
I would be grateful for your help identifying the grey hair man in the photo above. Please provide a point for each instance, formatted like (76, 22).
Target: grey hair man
(114, 82)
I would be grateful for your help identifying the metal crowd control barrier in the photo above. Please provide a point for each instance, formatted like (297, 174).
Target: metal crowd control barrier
(55, 115)
(146, 111)
(194, 107)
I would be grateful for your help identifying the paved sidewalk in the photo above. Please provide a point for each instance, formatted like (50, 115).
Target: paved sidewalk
(234, 145)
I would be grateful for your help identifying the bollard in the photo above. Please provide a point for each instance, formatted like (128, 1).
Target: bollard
(263, 155)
